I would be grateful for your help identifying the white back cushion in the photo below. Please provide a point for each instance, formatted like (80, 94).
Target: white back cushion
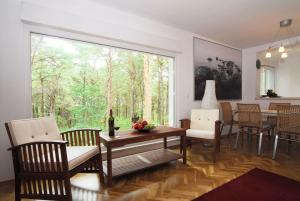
(30, 130)
(204, 119)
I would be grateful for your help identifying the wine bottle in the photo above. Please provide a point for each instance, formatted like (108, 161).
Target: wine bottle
(111, 124)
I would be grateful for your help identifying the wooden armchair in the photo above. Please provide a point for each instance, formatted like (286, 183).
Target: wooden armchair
(204, 126)
(45, 160)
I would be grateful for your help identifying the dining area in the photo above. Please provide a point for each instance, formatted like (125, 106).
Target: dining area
(277, 125)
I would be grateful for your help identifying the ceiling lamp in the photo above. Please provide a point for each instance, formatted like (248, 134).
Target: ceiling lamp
(285, 25)
(281, 49)
(284, 55)
(268, 55)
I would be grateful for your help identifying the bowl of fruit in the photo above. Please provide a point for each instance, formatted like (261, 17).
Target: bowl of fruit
(143, 126)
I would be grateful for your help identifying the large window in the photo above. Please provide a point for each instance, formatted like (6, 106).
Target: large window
(79, 82)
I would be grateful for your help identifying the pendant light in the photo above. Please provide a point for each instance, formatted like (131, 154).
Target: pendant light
(281, 49)
(268, 55)
(284, 25)
(284, 55)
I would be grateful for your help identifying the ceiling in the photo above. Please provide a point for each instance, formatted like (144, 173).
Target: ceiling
(240, 23)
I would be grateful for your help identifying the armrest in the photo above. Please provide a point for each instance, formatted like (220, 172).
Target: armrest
(59, 142)
(82, 137)
(185, 123)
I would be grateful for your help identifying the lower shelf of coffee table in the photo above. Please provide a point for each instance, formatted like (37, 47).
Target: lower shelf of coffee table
(132, 163)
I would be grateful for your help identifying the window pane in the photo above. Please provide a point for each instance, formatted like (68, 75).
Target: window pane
(270, 79)
(79, 82)
(267, 80)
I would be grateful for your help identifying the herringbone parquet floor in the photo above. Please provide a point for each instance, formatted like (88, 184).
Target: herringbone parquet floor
(176, 181)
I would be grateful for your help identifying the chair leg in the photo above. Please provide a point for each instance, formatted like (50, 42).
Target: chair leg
(190, 143)
(269, 135)
(275, 147)
(217, 149)
(230, 131)
(289, 142)
(237, 139)
(242, 137)
(221, 128)
(259, 143)
(101, 174)
(68, 189)
(214, 157)
(17, 189)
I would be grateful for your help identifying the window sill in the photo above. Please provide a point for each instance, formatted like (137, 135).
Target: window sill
(277, 98)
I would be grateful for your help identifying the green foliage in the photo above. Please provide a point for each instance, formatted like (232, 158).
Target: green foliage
(70, 79)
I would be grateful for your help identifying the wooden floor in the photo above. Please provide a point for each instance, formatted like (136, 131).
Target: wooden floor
(176, 181)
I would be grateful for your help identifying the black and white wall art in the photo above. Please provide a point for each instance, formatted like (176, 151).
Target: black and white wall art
(223, 64)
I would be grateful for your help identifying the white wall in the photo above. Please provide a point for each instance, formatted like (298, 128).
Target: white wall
(288, 72)
(79, 18)
(12, 78)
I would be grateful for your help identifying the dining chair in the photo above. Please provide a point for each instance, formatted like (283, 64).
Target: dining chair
(250, 118)
(288, 125)
(273, 106)
(227, 117)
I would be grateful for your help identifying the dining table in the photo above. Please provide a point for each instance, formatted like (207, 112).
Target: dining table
(269, 112)
(264, 112)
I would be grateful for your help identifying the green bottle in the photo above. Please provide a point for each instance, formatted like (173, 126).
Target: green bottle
(111, 124)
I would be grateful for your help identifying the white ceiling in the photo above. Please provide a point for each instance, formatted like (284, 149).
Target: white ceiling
(240, 23)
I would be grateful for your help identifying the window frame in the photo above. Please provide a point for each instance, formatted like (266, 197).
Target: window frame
(263, 78)
(89, 38)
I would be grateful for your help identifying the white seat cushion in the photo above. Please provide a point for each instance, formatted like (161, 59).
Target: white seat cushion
(204, 134)
(80, 154)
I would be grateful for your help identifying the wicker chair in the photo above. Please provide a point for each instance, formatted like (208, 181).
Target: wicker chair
(273, 106)
(45, 160)
(288, 125)
(204, 126)
(250, 118)
(227, 117)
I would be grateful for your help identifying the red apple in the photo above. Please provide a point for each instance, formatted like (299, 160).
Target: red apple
(140, 126)
(136, 126)
(144, 122)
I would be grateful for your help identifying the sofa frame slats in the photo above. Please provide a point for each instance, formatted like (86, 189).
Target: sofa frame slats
(41, 167)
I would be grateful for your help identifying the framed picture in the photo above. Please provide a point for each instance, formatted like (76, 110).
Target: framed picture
(223, 64)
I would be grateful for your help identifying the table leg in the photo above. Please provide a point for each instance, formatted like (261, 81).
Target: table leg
(109, 167)
(181, 145)
(165, 143)
(183, 148)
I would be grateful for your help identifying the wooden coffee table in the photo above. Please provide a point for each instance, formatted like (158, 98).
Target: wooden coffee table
(128, 164)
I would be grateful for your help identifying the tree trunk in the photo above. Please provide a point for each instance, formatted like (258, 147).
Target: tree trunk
(159, 96)
(42, 96)
(109, 82)
(147, 89)
(160, 102)
(131, 69)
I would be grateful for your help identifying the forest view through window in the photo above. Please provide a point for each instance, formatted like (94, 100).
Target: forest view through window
(79, 82)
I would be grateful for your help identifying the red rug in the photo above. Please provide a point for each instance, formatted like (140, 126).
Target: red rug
(256, 185)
